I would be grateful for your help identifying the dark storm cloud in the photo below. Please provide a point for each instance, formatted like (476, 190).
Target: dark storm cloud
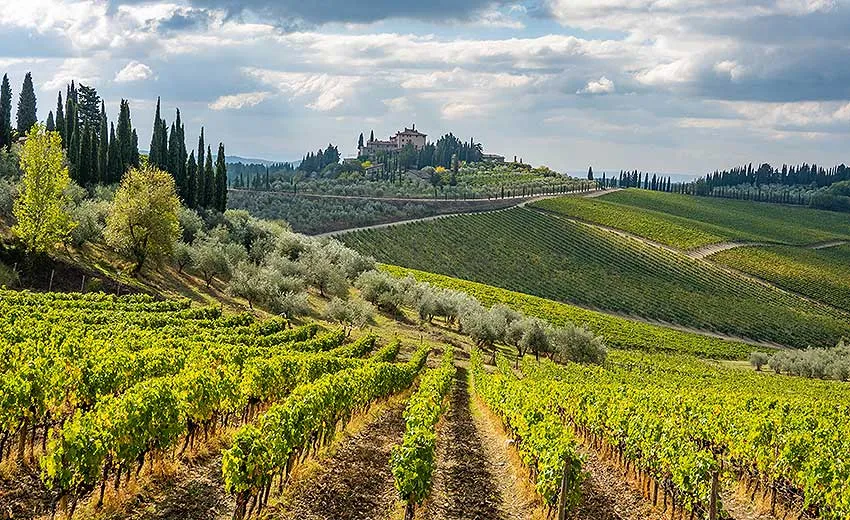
(290, 12)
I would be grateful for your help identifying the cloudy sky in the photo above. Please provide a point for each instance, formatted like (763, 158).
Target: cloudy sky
(668, 85)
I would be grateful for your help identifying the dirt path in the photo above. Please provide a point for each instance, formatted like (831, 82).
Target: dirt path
(522, 204)
(711, 249)
(355, 483)
(606, 495)
(827, 245)
(599, 193)
(474, 478)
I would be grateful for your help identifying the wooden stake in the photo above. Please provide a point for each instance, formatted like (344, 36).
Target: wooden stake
(712, 506)
(50, 286)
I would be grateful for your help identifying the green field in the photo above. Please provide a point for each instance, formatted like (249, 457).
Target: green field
(821, 274)
(618, 332)
(526, 251)
(688, 222)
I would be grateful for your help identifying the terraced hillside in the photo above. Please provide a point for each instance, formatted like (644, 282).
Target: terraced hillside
(526, 251)
(687, 222)
(822, 274)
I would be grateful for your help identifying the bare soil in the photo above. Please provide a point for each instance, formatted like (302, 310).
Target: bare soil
(474, 478)
(194, 492)
(607, 495)
(354, 483)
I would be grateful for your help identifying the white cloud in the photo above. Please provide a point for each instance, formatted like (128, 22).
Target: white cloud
(134, 71)
(81, 70)
(239, 101)
(399, 104)
(328, 91)
(602, 86)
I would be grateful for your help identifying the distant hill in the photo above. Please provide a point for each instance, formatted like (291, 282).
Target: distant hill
(232, 159)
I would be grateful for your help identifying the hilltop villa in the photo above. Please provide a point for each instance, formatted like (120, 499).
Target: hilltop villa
(395, 143)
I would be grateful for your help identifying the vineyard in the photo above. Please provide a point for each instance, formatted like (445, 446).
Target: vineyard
(618, 332)
(817, 273)
(96, 387)
(683, 446)
(523, 250)
(688, 222)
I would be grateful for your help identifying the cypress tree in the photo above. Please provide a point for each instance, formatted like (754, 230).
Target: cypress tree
(209, 181)
(135, 161)
(60, 120)
(221, 179)
(103, 147)
(156, 152)
(26, 107)
(71, 125)
(85, 164)
(6, 113)
(50, 125)
(360, 141)
(201, 188)
(191, 180)
(175, 158)
(114, 164)
(372, 136)
(125, 140)
(74, 153)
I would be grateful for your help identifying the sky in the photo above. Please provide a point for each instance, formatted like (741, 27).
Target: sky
(677, 86)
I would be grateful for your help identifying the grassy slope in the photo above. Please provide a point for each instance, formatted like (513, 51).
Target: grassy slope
(817, 273)
(529, 252)
(687, 222)
(618, 332)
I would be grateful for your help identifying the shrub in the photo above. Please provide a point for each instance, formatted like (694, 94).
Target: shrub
(90, 216)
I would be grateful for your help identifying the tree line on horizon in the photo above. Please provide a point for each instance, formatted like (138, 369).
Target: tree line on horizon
(800, 175)
(98, 153)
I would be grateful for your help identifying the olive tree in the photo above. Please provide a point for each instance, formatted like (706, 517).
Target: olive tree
(351, 313)
(758, 360)
(578, 345)
(142, 223)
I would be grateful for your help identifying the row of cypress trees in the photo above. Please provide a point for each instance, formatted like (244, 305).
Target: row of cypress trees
(200, 182)
(100, 153)
(26, 115)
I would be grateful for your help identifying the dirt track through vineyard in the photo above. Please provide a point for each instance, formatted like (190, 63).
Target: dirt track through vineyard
(473, 480)
(356, 482)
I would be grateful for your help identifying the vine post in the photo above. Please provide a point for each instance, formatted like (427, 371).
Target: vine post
(712, 505)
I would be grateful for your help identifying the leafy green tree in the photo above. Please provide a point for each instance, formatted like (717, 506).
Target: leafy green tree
(27, 115)
(42, 220)
(143, 222)
(6, 114)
